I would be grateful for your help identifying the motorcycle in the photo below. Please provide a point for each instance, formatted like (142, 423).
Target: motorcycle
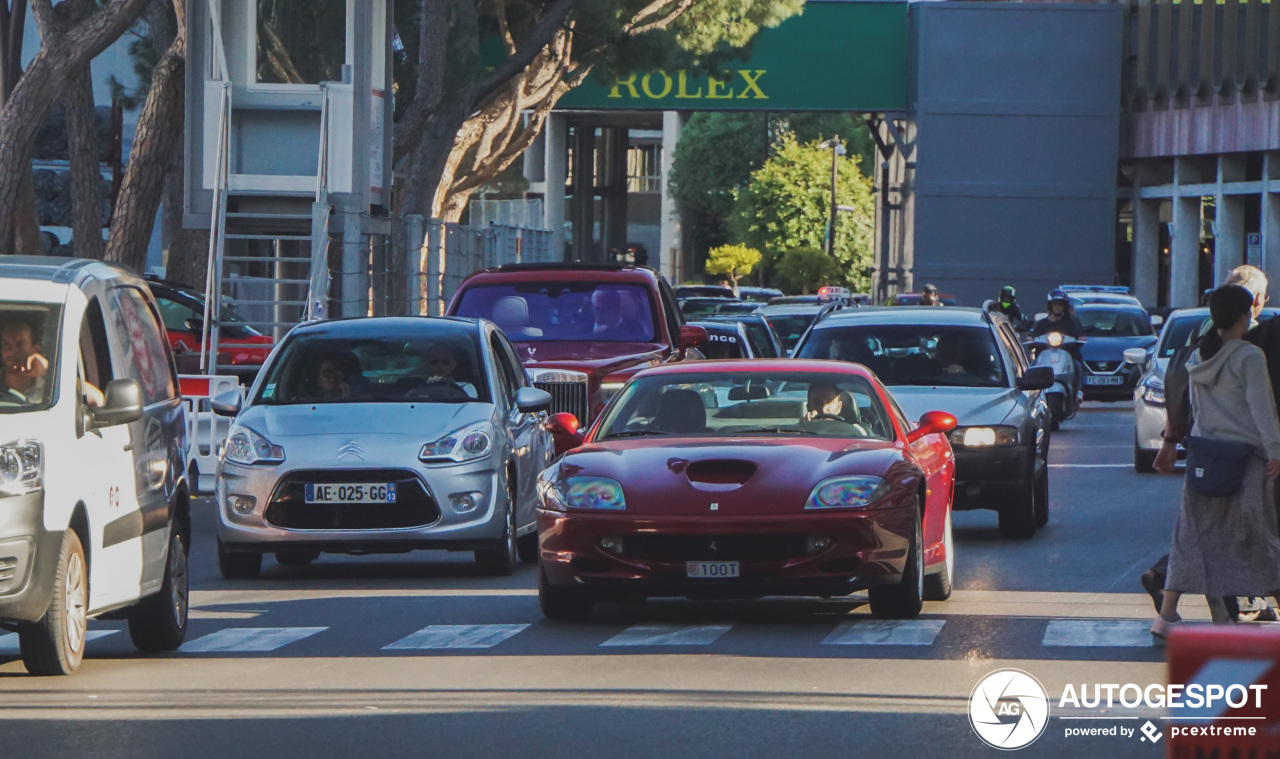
(1061, 353)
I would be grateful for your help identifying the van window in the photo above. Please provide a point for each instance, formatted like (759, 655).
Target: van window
(28, 355)
(146, 357)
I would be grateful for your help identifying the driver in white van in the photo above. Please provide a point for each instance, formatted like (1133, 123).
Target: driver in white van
(24, 367)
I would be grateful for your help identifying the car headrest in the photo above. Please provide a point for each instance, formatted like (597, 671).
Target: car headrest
(510, 312)
(681, 410)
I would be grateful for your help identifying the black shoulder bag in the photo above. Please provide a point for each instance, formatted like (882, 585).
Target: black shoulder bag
(1215, 468)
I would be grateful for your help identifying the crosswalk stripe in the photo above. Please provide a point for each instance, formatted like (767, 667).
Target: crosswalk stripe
(884, 632)
(241, 639)
(1099, 633)
(9, 641)
(668, 635)
(456, 636)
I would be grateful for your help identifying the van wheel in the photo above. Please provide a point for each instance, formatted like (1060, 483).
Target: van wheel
(55, 644)
(159, 623)
(906, 599)
(238, 566)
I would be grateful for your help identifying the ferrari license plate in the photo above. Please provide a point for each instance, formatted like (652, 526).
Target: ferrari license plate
(702, 569)
(359, 492)
(1104, 380)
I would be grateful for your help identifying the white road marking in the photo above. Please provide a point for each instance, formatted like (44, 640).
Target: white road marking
(884, 632)
(668, 635)
(1091, 466)
(234, 639)
(456, 636)
(1099, 633)
(9, 641)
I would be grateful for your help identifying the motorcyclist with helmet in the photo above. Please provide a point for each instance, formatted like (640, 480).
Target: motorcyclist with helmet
(1008, 305)
(1061, 317)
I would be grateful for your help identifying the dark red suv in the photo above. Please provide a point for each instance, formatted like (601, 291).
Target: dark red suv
(581, 330)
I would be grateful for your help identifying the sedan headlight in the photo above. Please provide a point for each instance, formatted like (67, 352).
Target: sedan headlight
(1153, 392)
(246, 447)
(465, 444)
(983, 437)
(589, 493)
(21, 468)
(846, 492)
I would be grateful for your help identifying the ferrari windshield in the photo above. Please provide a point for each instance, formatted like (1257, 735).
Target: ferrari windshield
(914, 354)
(748, 404)
(28, 352)
(572, 310)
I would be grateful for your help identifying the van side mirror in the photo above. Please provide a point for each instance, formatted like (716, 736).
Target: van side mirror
(932, 423)
(1036, 378)
(123, 404)
(226, 403)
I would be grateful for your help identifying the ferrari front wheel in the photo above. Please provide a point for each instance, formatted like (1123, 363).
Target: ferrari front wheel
(562, 604)
(906, 599)
(937, 586)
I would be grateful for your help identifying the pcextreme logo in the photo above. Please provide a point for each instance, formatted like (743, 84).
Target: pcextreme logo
(1008, 709)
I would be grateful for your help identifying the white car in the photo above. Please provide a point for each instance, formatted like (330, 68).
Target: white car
(94, 514)
(1148, 396)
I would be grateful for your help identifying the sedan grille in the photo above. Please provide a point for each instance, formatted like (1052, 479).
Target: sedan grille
(414, 506)
(568, 397)
(714, 547)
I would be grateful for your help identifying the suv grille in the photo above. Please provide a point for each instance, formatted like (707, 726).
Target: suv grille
(567, 396)
(714, 547)
(414, 506)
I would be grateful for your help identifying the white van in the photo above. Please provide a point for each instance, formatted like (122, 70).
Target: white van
(94, 514)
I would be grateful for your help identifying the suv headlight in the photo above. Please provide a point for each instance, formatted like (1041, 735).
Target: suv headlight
(1153, 392)
(983, 437)
(246, 447)
(464, 444)
(846, 492)
(588, 493)
(21, 468)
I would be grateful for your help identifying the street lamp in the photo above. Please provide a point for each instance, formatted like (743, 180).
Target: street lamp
(837, 149)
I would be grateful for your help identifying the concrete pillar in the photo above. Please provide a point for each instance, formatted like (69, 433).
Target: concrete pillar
(1271, 218)
(355, 266)
(615, 144)
(668, 258)
(555, 166)
(1228, 238)
(582, 210)
(1146, 250)
(1184, 265)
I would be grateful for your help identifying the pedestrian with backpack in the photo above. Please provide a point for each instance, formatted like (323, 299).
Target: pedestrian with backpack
(1226, 541)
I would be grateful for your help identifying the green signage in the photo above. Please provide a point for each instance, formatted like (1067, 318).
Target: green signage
(835, 56)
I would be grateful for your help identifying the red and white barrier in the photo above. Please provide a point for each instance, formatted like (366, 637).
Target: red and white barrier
(1228, 704)
(205, 430)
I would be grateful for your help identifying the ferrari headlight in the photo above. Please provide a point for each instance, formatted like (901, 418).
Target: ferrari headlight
(1054, 339)
(246, 447)
(465, 444)
(21, 468)
(982, 437)
(1153, 392)
(846, 492)
(591, 493)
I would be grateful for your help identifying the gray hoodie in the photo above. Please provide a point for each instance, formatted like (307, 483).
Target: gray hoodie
(1231, 398)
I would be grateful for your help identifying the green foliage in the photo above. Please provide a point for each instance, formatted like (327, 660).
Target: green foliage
(718, 151)
(733, 261)
(804, 270)
(787, 203)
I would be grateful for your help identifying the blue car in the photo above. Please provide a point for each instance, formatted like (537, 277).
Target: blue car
(1108, 330)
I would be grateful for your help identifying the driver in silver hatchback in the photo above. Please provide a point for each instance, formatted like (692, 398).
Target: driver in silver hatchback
(383, 435)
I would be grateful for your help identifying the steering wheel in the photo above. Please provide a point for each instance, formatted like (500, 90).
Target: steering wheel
(829, 417)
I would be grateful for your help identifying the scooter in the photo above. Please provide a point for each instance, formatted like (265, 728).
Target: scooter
(1060, 353)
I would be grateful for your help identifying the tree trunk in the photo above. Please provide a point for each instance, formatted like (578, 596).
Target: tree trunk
(186, 250)
(38, 89)
(86, 171)
(26, 230)
(159, 134)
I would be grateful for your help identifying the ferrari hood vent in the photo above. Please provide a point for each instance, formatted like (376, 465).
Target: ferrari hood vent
(720, 472)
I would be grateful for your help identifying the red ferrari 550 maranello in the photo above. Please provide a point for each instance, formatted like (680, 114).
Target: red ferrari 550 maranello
(744, 479)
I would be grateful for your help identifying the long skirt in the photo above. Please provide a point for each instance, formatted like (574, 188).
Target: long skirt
(1227, 546)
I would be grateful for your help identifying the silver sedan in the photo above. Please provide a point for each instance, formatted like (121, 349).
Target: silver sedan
(383, 435)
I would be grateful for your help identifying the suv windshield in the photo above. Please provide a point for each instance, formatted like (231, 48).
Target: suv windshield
(1114, 322)
(914, 354)
(572, 311)
(748, 405)
(28, 355)
(422, 369)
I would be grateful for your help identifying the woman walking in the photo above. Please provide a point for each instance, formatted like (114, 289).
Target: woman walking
(1227, 545)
